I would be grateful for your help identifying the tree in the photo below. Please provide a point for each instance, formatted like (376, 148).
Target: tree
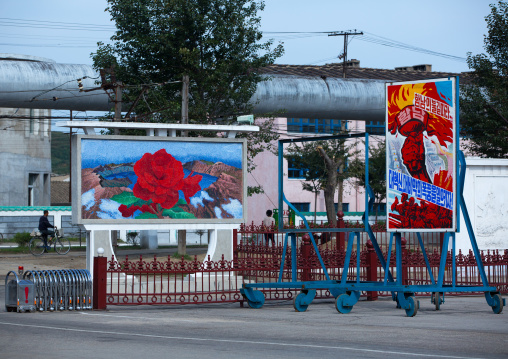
(377, 171)
(216, 43)
(324, 162)
(484, 102)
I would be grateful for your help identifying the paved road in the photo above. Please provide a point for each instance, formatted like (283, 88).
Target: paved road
(465, 328)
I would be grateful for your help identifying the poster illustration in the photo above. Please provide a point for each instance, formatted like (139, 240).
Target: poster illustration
(151, 180)
(421, 155)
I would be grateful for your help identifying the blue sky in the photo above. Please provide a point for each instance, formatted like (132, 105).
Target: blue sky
(95, 152)
(450, 27)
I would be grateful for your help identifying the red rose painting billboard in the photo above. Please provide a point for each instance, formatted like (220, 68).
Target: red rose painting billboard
(159, 180)
(421, 155)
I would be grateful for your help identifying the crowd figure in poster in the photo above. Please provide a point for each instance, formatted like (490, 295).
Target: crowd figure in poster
(419, 215)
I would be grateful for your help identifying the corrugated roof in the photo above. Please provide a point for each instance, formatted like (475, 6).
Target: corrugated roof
(60, 192)
(335, 70)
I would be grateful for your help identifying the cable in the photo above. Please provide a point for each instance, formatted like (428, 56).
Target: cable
(273, 204)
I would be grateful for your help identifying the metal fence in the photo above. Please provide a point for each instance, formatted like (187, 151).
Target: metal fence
(64, 289)
(166, 281)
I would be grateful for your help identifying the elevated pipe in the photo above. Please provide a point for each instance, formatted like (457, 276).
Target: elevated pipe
(47, 85)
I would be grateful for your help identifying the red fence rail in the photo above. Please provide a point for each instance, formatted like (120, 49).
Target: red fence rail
(166, 281)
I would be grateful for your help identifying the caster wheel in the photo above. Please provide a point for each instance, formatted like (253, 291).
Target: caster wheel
(257, 300)
(298, 303)
(414, 305)
(437, 300)
(341, 306)
(498, 304)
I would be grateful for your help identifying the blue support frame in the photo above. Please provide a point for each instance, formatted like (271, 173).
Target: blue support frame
(347, 293)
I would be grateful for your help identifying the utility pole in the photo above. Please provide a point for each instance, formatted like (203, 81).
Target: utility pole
(182, 233)
(344, 54)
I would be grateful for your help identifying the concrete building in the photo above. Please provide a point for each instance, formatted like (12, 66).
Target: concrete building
(25, 152)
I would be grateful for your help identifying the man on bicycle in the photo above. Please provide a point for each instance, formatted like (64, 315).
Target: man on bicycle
(44, 226)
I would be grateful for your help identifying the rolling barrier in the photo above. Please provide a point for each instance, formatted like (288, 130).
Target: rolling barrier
(61, 289)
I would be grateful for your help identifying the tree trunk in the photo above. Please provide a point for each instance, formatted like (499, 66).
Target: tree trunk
(182, 242)
(315, 205)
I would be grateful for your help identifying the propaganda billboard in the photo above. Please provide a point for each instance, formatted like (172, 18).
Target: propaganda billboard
(123, 180)
(421, 135)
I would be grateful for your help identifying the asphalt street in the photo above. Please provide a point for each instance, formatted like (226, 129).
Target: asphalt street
(465, 327)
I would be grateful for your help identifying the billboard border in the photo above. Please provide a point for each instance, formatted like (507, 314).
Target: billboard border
(456, 146)
(76, 184)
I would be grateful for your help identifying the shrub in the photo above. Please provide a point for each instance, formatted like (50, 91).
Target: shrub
(22, 239)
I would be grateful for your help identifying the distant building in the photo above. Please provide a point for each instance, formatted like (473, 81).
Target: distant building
(25, 152)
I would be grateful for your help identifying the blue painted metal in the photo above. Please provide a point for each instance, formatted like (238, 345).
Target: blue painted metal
(302, 301)
(427, 264)
(347, 292)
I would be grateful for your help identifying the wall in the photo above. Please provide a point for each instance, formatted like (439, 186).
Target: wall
(25, 149)
(266, 174)
(486, 197)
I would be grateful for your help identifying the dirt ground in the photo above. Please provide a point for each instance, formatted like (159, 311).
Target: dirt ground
(77, 260)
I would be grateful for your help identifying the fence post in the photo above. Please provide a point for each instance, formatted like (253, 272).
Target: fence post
(100, 281)
(235, 245)
(341, 238)
(371, 269)
(306, 246)
(405, 267)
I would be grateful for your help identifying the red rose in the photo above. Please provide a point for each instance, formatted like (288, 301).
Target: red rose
(160, 177)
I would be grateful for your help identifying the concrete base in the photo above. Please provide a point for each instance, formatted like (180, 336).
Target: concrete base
(148, 239)
(221, 243)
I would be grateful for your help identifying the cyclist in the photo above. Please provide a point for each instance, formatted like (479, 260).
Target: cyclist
(44, 226)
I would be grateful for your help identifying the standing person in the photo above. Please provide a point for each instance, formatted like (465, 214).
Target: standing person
(269, 223)
(44, 226)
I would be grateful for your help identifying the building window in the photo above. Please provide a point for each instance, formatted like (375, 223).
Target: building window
(381, 207)
(375, 127)
(302, 206)
(293, 172)
(305, 125)
(32, 180)
(32, 121)
(345, 207)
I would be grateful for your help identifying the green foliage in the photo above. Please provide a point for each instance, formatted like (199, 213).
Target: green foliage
(377, 170)
(22, 239)
(128, 199)
(214, 42)
(132, 238)
(60, 150)
(484, 102)
(324, 166)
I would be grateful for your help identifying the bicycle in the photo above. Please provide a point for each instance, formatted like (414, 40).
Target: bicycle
(60, 244)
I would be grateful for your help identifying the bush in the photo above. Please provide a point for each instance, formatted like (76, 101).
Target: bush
(22, 239)
(132, 238)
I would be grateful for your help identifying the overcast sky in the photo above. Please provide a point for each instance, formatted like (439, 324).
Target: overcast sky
(67, 31)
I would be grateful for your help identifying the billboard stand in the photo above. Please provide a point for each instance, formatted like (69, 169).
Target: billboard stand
(424, 194)
(158, 182)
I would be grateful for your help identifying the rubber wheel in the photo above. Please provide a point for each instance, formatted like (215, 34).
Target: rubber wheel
(340, 306)
(260, 300)
(62, 245)
(298, 303)
(437, 300)
(36, 246)
(498, 303)
(413, 306)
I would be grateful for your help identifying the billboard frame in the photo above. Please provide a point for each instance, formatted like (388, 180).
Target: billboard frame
(157, 223)
(454, 147)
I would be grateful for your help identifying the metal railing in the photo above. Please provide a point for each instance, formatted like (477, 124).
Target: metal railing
(62, 289)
